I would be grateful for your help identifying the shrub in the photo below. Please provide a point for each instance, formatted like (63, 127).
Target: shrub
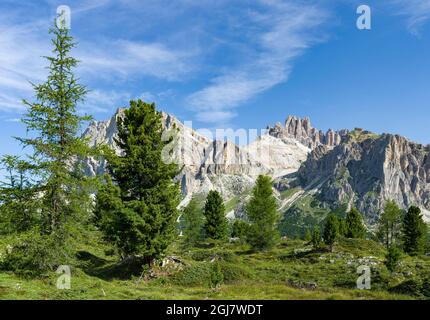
(34, 255)
(409, 287)
(196, 274)
(392, 258)
(234, 272)
(426, 287)
(216, 275)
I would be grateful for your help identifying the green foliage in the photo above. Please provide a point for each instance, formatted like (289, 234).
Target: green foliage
(48, 190)
(316, 238)
(216, 275)
(390, 225)
(302, 214)
(195, 274)
(108, 202)
(343, 229)
(216, 223)
(392, 258)
(54, 126)
(331, 231)
(239, 229)
(308, 235)
(288, 271)
(17, 199)
(412, 287)
(263, 215)
(35, 254)
(354, 224)
(414, 232)
(426, 287)
(193, 220)
(137, 211)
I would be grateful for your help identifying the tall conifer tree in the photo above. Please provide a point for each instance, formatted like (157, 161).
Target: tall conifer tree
(354, 226)
(262, 212)
(216, 223)
(140, 218)
(53, 125)
(390, 224)
(414, 232)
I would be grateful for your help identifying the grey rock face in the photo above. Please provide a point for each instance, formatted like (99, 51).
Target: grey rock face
(302, 131)
(369, 172)
(207, 164)
(356, 168)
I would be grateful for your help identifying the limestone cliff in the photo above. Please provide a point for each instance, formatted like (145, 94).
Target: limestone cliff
(369, 170)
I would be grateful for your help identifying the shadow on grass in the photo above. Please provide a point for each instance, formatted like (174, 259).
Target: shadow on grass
(108, 270)
(303, 254)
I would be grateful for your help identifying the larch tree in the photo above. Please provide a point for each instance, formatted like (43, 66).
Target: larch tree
(53, 126)
(331, 231)
(390, 225)
(193, 220)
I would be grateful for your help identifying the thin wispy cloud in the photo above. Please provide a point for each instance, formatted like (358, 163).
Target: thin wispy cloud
(282, 32)
(101, 101)
(125, 58)
(417, 13)
(22, 46)
(10, 103)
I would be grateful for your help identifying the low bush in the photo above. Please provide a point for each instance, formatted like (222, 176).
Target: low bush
(34, 255)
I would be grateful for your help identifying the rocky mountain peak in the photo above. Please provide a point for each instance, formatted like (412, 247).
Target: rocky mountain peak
(301, 130)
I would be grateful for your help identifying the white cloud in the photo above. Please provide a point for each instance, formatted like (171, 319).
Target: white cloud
(10, 103)
(289, 29)
(12, 120)
(105, 101)
(126, 58)
(20, 61)
(417, 12)
(23, 45)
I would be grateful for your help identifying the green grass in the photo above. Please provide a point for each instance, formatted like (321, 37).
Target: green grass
(289, 192)
(232, 204)
(359, 136)
(291, 270)
(304, 213)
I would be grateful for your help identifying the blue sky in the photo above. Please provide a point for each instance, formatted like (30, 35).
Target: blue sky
(231, 63)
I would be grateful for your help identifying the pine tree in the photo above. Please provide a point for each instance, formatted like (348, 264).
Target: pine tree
(354, 224)
(316, 238)
(308, 235)
(53, 124)
(414, 232)
(141, 217)
(193, 221)
(390, 224)
(331, 231)
(263, 215)
(343, 230)
(392, 258)
(216, 223)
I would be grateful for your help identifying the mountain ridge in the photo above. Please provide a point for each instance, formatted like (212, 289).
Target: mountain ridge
(353, 167)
